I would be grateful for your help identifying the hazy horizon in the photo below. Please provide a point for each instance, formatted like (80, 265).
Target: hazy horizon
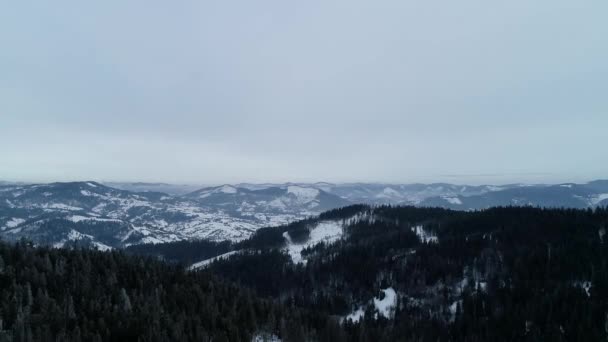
(346, 91)
(471, 183)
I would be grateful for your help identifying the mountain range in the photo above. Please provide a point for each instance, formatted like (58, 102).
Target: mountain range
(105, 217)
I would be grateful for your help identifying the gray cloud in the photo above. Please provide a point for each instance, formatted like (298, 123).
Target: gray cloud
(216, 92)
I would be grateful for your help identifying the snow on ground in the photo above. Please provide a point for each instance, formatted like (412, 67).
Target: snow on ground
(585, 286)
(204, 263)
(425, 236)
(74, 235)
(356, 315)
(453, 309)
(101, 247)
(386, 305)
(14, 222)
(60, 206)
(595, 200)
(79, 218)
(91, 185)
(304, 195)
(453, 200)
(265, 337)
(389, 193)
(228, 189)
(326, 231)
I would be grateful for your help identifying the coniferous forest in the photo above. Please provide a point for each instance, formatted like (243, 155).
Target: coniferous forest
(501, 274)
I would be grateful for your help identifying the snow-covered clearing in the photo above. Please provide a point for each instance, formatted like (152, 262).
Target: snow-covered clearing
(385, 306)
(326, 232)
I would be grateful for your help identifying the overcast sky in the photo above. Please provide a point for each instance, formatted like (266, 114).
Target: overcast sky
(228, 91)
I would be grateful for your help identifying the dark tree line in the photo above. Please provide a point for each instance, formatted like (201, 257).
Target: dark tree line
(503, 274)
(84, 295)
(500, 274)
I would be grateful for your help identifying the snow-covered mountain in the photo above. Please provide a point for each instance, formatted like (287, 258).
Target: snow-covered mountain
(276, 199)
(411, 194)
(467, 197)
(89, 213)
(171, 189)
(566, 195)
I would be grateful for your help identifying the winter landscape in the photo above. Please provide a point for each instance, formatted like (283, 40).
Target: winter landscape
(282, 171)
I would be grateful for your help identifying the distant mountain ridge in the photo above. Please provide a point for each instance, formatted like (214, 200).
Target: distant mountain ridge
(94, 214)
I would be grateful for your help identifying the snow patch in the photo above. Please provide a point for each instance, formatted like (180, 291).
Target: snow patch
(424, 235)
(585, 286)
(204, 263)
(60, 206)
(101, 247)
(453, 200)
(14, 222)
(388, 193)
(91, 185)
(228, 189)
(387, 305)
(356, 315)
(326, 231)
(453, 309)
(595, 200)
(303, 194)
(265, 337)
(80, 218)
(74, 235)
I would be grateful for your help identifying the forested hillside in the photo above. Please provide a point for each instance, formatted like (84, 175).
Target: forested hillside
(500, 274)
(353, 274)
(84, 295)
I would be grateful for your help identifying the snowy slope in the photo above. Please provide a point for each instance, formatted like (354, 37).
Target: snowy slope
(47, 213)
(325, 231)
(204, 263)
(384, 306)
